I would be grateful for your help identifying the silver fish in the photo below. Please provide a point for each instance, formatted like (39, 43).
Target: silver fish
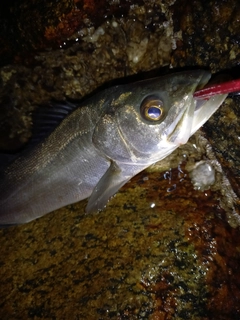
(102, 144)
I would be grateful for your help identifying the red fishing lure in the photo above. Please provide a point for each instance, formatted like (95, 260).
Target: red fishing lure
(214, 89)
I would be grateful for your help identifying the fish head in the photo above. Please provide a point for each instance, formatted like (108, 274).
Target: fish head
(147, 120)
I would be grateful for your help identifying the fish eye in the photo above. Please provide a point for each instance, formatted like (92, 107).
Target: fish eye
(152, 109)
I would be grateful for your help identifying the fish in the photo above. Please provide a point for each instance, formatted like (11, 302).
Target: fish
(100, 144)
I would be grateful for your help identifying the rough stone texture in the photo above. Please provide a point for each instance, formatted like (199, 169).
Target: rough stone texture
(30, 25)
(160, 250)
(226, 141)
(138, 42)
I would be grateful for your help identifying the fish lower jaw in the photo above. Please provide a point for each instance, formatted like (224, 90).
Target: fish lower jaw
(179, 138)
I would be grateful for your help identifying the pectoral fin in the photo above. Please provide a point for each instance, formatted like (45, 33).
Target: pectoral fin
(108, 185)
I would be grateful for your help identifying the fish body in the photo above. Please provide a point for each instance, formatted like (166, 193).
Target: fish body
(102, 144)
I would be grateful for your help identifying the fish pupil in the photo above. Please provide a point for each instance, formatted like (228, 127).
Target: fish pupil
(154, 113)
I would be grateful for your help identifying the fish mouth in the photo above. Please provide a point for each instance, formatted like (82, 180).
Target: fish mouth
(209, 99)
(197, 112)
(205, 108)
(190, 119)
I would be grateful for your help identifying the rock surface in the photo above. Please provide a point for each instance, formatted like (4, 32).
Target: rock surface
(160, 250)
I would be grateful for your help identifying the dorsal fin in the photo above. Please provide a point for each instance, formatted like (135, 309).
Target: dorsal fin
(5, 159)
(46, 118)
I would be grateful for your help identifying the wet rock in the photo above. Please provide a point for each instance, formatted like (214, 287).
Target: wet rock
(161, 249)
